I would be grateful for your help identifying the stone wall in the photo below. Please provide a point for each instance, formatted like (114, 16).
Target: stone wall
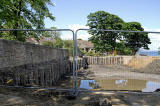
(14, 53)
(28, 64)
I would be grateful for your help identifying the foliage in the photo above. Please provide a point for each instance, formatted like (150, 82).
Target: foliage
(104, 41)
(91, 53)
(136, 40)
(79, 39)
(159, 50)
(107, 41)
(58, 43)
(48, 43)
(68, 44)
(23, 14)
(54, 34)
(122, 49)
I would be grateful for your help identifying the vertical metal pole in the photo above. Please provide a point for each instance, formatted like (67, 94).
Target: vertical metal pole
(73, 61)
(76, 60)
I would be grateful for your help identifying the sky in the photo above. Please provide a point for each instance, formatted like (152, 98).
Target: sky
(73, 14)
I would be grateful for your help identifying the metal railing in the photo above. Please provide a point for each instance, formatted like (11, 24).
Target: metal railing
(75, 88)
(52, 30)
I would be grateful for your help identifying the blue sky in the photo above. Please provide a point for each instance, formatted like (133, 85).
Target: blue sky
(73, 13)
(69, 12)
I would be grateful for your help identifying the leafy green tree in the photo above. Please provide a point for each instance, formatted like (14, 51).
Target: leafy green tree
(122, 49)
(23, 14)
(104, 41)
(58, 43)
(135, 41)
(107, 41)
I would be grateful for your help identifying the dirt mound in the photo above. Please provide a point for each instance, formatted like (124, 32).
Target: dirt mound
(139, 62)
(146, 64)
(153, 67)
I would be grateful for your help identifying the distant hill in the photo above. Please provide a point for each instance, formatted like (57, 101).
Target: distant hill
(148, 53)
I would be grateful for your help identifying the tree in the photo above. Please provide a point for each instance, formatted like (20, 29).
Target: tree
(107, 41)
(23, 14)
(54, 34)
(68, 44)
(48, 43)
(58, 43)
(122, 49)
(135, 41)
(159, 50)
(104, 41)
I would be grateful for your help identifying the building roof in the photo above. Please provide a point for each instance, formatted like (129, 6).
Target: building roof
(44, 39)
(84, 44)
(31, 40)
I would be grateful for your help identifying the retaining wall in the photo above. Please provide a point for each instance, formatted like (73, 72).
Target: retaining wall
(32, 65)
(13, 53)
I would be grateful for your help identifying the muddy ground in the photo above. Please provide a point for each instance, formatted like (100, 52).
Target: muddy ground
(10, 96)
(119, 72)
(23, 97)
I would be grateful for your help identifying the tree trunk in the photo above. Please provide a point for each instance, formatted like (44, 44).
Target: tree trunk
(17, 12)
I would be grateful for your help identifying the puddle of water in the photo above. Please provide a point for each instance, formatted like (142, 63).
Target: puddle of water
(122, 84)
(87, 84)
